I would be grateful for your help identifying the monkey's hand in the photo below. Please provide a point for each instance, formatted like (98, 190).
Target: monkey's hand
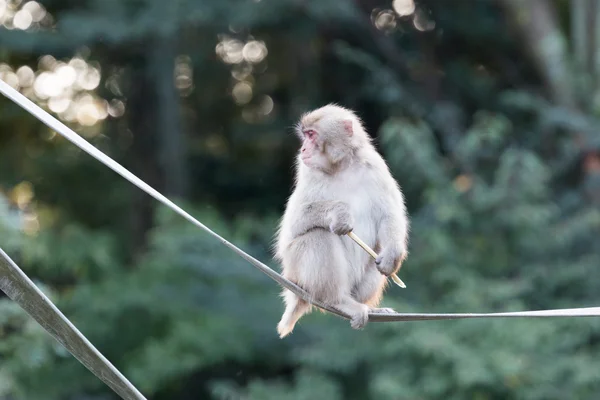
(340, 220)
(390, 260)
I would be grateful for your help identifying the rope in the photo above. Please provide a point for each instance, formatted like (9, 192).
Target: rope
(25, 293)
(84, 145)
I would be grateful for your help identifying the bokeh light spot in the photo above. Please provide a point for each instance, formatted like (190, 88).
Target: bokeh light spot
(254, 51)
(116, 108)
(404, 7)
(230, 51)
(22, 19)
(385, 21)
(242, 92)
(266, 105)
(26, 76)
(422, 22)
(59, 104)
(36, 10)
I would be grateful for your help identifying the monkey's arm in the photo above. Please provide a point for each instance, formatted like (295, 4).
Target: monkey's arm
(330, 215)
(392, 238)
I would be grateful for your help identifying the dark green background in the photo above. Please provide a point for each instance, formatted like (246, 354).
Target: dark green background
(487, 116)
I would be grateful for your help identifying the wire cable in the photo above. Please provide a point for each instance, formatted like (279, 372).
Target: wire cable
(84, 145)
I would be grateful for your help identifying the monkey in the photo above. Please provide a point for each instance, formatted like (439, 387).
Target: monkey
(341, 185)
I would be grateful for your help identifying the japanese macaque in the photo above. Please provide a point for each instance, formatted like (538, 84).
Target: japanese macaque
(342, 185)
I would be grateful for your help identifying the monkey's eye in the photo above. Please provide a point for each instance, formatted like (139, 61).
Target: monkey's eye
(310, 133)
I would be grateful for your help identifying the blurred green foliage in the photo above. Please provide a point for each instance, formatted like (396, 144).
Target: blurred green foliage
(502, 180)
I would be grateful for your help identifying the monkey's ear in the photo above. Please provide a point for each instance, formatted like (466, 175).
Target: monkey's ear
(347, 124)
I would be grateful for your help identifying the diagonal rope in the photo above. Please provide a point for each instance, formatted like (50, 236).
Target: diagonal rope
(26, 294)
(84, 145)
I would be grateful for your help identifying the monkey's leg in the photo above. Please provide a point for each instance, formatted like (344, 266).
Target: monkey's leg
(295, 308)
(370, 290)
(358, 312)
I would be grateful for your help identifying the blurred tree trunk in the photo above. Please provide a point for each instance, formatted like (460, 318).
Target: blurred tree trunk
(171, 138)
(158, 150)
(585, 35)
(581, 22)
(578, 32)
(142, 111)
(538, 25)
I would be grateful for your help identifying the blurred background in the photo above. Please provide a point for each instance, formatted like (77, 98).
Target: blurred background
(487, 112)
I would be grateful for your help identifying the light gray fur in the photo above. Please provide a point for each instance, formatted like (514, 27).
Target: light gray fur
(355, 192)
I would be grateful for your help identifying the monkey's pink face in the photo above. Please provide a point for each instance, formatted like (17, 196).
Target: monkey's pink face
(312, 152)
(326, 141)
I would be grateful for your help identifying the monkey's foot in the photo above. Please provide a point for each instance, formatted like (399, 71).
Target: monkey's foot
(284, 329)
(360, 319)
(384, 310)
